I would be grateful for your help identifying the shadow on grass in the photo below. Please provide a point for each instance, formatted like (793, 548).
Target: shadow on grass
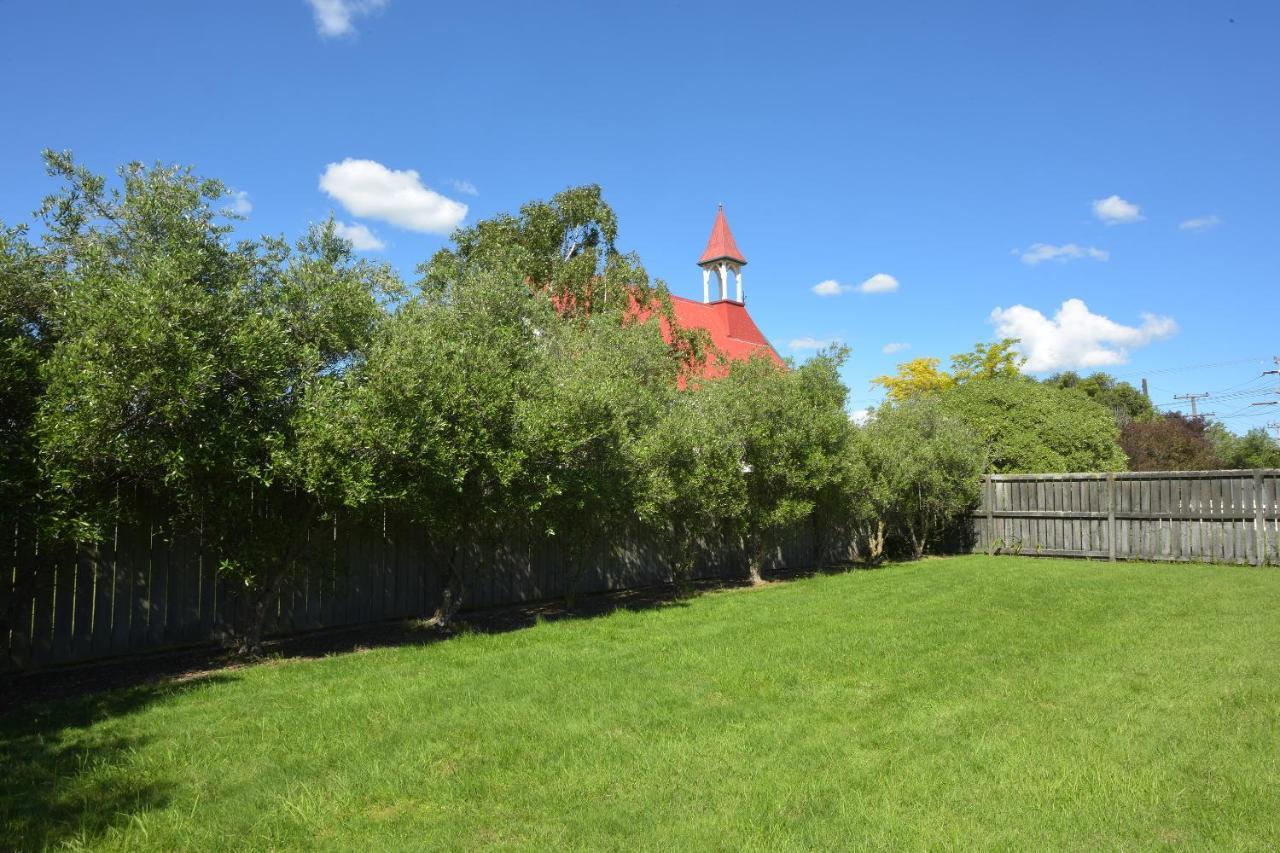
(171, 667)
(63, 782)
(27, 689)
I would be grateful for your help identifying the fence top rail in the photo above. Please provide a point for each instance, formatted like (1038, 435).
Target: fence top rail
(1235, 474)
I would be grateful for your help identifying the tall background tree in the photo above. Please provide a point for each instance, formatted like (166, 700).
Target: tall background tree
(1255, 449)
(1125, 402)
(1173, 442)
(1029, 427)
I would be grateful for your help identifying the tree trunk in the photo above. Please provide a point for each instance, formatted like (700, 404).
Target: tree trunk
(247, 641)
(577, 568)
(755, 562)
(918, 541)
(681, 560)
(451, 595)
(874, 534)
(821, 542)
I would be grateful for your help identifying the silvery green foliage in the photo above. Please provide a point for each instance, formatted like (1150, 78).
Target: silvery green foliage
(184, 358)
(924, 468)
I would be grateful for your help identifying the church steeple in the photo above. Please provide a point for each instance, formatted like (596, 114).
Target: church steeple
(722, 256)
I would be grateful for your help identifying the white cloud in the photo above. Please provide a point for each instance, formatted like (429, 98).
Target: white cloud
(336, 17)
(860, 416)
(879, 283)
(1114, 210)
(1075, 338)
(369, 189)
(1199, 223)
(811, 343)
(890, 349)
(1038, 253)
(240, 203)
(362, 239)
(464, 187)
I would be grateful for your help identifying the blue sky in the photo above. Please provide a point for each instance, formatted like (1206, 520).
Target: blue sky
(1121, 159)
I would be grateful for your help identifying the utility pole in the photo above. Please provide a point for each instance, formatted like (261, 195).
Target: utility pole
(1193, 398)
(1145, 392)
(1275, 372)
(1275, 425)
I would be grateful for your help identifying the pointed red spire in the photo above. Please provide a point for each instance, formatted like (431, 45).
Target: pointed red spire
(721, 245)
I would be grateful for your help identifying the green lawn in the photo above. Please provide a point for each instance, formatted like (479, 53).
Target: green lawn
(967, 702)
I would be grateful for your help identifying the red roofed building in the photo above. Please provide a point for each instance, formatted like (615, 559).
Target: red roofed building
(725, 318)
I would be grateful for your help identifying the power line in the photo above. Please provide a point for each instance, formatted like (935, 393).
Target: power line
(1256, 358)
(1231, 392)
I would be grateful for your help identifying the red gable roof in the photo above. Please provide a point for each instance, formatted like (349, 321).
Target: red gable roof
(732, 330)
(721, 246)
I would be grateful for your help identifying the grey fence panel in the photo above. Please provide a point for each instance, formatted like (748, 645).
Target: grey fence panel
(148, 586)
(1200, 516)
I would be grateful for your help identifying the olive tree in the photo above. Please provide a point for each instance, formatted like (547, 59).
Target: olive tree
(612, 383)
(789, 427)
(693, 487)
(184, 359)
(26, 338)
(440, 422)
(925, 467)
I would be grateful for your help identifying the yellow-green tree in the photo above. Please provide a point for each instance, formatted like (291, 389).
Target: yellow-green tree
(924, 376)
(988, 361)
(918, 376)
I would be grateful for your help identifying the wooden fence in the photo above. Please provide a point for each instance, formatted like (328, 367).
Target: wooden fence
(149, 587)
(1200, 516)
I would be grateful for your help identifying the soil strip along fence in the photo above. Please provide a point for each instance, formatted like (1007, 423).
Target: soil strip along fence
(1193, 516)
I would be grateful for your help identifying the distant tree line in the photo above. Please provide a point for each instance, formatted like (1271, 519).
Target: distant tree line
(1068, 422)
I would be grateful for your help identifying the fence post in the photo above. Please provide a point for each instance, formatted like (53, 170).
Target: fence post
(1259, 518)
(991, 522)
(1111, 516)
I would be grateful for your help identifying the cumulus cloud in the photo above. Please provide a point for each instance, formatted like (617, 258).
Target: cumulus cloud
(1199, 223)
(811, 343)
(369, 189)
(464, 187)
(830, 287)
(879, 283)
(890, 349)
(860, 416)
(240, 203)
(1038, 253)
(337, 17)
(1114, 210)
(362, 239)
(1075, 338)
